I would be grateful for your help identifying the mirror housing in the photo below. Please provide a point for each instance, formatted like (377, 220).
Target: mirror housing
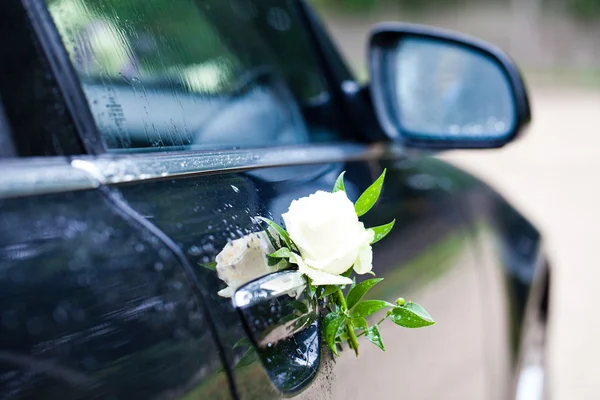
(433, 88)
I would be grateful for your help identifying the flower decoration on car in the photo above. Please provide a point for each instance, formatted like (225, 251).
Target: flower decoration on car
(324, 240)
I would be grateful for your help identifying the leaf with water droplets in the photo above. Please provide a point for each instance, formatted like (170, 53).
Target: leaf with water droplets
(411, 315)
(331, 324)
(374, 337)
(280, 231)
(368, 307)
(382, 231)
(360, 323)
(367, 200)
(339, 183)
(358, 291)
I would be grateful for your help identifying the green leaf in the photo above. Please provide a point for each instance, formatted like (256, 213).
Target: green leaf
(419, 310)
(360, 323)
(347, 273)
(273, 261)
(248, 358)
(283, 252)
(342, 338)
(331, 325)
(367, 200)
(328, 290)
(280, 231)
(358, 291)
(382, 231)
(211, 266)
(310, 288)
(339, 183)
(274, 243)
(243, 342)
(368, 307)
(374, 337)
(411, 315)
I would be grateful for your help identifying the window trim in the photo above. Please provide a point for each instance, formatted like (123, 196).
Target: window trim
(65, 75)
(7, 146)
(43, 175)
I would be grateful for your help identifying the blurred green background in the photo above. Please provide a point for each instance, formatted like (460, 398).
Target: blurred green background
(553, 41)
(580, 8)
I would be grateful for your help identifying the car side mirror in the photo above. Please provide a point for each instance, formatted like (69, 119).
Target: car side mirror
(438, 89)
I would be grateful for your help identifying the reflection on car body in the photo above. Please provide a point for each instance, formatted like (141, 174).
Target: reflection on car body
(168, 126)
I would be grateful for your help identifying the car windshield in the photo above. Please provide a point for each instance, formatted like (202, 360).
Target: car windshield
(194, 73)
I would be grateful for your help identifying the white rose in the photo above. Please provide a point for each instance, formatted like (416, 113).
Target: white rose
(243, 260)
(329, 236)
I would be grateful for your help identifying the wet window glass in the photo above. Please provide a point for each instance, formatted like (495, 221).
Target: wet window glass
(194, 74)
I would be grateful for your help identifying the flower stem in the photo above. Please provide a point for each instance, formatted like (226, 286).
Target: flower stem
(352, 341)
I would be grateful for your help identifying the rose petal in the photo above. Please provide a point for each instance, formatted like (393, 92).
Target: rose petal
(227, 292)
(322, 225)
(334, 265)
(319, 278)
(364, 262)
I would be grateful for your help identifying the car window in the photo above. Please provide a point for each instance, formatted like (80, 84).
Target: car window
(194, 74)
(35, 117)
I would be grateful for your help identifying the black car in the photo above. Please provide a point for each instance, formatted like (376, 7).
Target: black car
(138, 137)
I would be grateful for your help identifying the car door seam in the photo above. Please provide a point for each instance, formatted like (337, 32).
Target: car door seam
(133, 216)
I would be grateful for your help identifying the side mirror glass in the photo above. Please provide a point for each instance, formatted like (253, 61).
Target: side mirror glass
(433, 88)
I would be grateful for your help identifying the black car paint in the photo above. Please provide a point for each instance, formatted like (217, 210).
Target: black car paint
(68, 301)
(93, 304)
(84, 322)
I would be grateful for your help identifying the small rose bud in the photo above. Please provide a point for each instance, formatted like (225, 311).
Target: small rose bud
(400, 302)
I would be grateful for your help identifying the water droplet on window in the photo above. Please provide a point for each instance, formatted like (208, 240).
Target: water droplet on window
(279, 19)
(195, 251)
(60, 314)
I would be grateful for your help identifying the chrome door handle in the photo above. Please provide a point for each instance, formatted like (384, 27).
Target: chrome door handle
(282, 321)
(275, 307)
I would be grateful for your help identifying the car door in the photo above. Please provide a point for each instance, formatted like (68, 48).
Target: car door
(214, 112)
(94, 303)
